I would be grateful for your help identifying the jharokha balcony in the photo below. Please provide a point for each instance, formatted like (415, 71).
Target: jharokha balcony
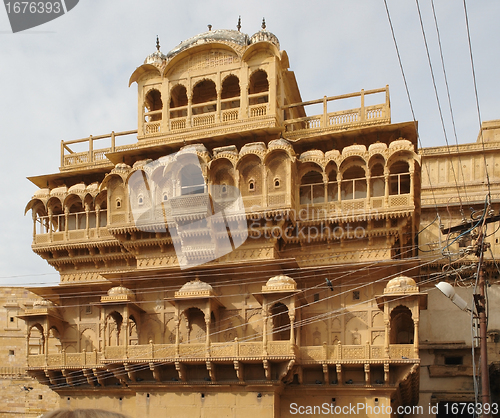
(273, 354)
(237, 361)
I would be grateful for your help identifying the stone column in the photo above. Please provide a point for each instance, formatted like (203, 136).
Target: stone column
(264, 331)
(189, 112)
(87, 219)
(292, 332)
(415, 337)
(386, 192)
(207, 337)
(387, 337)
(177, 335)
(66, 217)
(97, 219)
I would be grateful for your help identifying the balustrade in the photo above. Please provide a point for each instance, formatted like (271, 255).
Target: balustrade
(69, 227)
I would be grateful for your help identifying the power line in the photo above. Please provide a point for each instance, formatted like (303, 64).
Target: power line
(438, 103)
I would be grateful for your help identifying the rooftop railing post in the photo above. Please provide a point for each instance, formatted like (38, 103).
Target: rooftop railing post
(325, 112)
(112, 141)
(62, 153)
(91, 149)
(362, 110)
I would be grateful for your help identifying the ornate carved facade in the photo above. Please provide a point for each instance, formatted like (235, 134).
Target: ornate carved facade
(188, 284)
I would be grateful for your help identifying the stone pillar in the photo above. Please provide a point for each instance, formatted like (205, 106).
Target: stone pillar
(387, 337)
(177, 335)
(66, 217)
(87, 219)
(264, 331)
(97, 219)
(218, 110)
(386, 192)
(339, 185)
(415, 337)
(33, 215)
(292, 332)
(189, 112)
(207, 337)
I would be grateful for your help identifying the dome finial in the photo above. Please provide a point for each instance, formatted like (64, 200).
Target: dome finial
(238, 26)
(263, 23)
(209, 27)
(157, 43)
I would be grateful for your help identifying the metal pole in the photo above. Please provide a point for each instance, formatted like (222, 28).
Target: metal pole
(481, 310)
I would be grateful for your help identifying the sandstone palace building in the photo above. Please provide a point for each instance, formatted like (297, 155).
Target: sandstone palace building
(245, 252)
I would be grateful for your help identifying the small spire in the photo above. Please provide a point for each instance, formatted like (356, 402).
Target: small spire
(263, 23)
(157, 43)
(209, 27)
(238, 26)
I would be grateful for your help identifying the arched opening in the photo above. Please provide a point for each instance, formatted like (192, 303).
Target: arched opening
(333, 188)
(196, 326)
(402, 327)
(153, 106)
(178, 102)
(353, 183)
(114, 324)
(230, 90)
(54, 341)
(399, 178)
(257, 86)
(377, 180)
(88, 340)
(55, 207)
(77, 217)
(102, 202)
(281, 322)
(36, 340)
(206, 93)
(192, 181)
(133, 336)
(312, 189)
(250, 170)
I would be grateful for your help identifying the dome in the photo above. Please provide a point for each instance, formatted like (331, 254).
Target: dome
(253, 147)
(280, 282)
(314, 154)
(77, 188)
(156, 58)
(264, 36)
(43, 303)
(195, 288)
(119, 291)
(217, 35)
(401, 284)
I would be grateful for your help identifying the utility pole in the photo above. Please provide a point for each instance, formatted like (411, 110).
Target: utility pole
(480, 302)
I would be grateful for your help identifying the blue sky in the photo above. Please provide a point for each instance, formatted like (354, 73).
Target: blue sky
(68, 78)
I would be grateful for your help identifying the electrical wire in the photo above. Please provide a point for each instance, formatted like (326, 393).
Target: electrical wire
(438, 103)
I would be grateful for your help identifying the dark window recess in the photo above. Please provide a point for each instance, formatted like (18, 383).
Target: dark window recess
(355, 295)
(453, 360)
(316, 297)
(11, 319)
(11, 352)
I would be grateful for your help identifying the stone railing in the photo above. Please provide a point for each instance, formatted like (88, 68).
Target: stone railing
(65, 359)
(356, 352)
(344, 119)
(232, 350)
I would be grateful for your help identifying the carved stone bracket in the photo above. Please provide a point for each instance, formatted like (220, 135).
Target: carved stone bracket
(181, 369)
(239, 367)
